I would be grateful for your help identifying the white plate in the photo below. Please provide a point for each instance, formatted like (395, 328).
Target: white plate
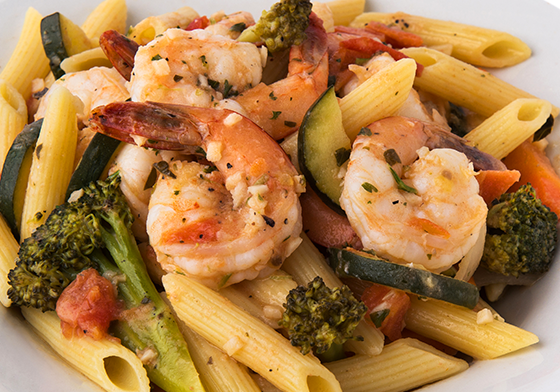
(26, 364)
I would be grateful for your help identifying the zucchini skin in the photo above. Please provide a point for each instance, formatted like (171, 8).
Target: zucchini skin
(96, 157)
(24, 141)
(53, 43)
(305, 147)
(348, 263)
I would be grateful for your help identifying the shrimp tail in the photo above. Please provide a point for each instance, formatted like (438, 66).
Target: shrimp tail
(480, 160)
(149, 124)
(120, 51)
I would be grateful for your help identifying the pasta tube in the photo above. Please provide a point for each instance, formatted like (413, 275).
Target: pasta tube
(464, 84)
(13, 112)
(304, 265)
(474, 45)
(381, 95)
(403, 365)
(149, 28)
(457, 327)
(345, 11)
(506, 129)
(28, 61)
(246, 338)
(8, 254)
(109, 15)
(53, 160)
(106, 362)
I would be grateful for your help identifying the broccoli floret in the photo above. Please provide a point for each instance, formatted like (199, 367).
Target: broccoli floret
(317, 317)
(521, 234)
(282, 26)
(95, 231)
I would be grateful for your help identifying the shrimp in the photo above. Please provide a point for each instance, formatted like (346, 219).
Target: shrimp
(135, 164)
(433, 215)
(234, 216)
(95, 87)
(225, 23)
(199, 68)
(279, 108)
(194, 68)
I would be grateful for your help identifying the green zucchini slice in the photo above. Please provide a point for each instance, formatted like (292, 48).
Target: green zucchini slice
(353, 263)
(13, 182)
(61, 39)
(94, 161)
(323, 147)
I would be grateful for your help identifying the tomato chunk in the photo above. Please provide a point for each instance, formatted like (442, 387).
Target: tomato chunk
(87, 306)
(386, 308)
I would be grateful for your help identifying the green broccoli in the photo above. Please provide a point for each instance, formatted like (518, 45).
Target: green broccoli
(521, 234)
(95, 231)
(282, 26)
(318, 318)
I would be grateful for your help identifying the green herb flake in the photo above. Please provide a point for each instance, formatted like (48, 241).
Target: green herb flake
(391, 157)
(275, 115)
(203, 59)
(176, 192)
(214, 84)
(342, 155)
(369, 187)
(365, 132)
(378, 317)
(400, 184)
(238, 27)
(290, 124)
(361, 61)
(224, 280)
(156, 57)
(209, 169)
(272, 96)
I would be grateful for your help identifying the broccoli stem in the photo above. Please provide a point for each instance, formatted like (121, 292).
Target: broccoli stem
(334, 353)
(151, 325)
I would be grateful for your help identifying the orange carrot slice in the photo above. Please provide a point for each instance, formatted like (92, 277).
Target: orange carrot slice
(494, 183)
(536, 169)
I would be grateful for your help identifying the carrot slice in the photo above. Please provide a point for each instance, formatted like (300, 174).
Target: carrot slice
(536, 169)
(494, 183)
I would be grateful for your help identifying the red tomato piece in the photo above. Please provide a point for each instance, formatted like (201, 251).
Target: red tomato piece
(389, 305)
(87, 306)
(198, 23)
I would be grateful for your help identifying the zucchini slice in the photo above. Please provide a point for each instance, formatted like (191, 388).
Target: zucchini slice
(61, 39)
(94, 161)
(352, 263)
(323, 147)
(15, 173)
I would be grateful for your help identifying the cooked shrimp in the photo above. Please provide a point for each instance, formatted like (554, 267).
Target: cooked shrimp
(135, 164)
(194, 68)
(436, 220)
(95, 87)
(219, 226)
(279, 108)
(225, 23)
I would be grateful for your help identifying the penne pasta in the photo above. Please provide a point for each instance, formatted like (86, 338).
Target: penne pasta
(85, 60)
(345, 11)
(148, 28)
(13, 112)
(464, 84)
(457, 327)
(474, 45)
(262, 297)
(28, 61)
(8, 254)
(506, 129)
(379, 96)
(109, 15)
(246, 338)
(403, 365)
(304, 265)
(105, 362)
(53, 160)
